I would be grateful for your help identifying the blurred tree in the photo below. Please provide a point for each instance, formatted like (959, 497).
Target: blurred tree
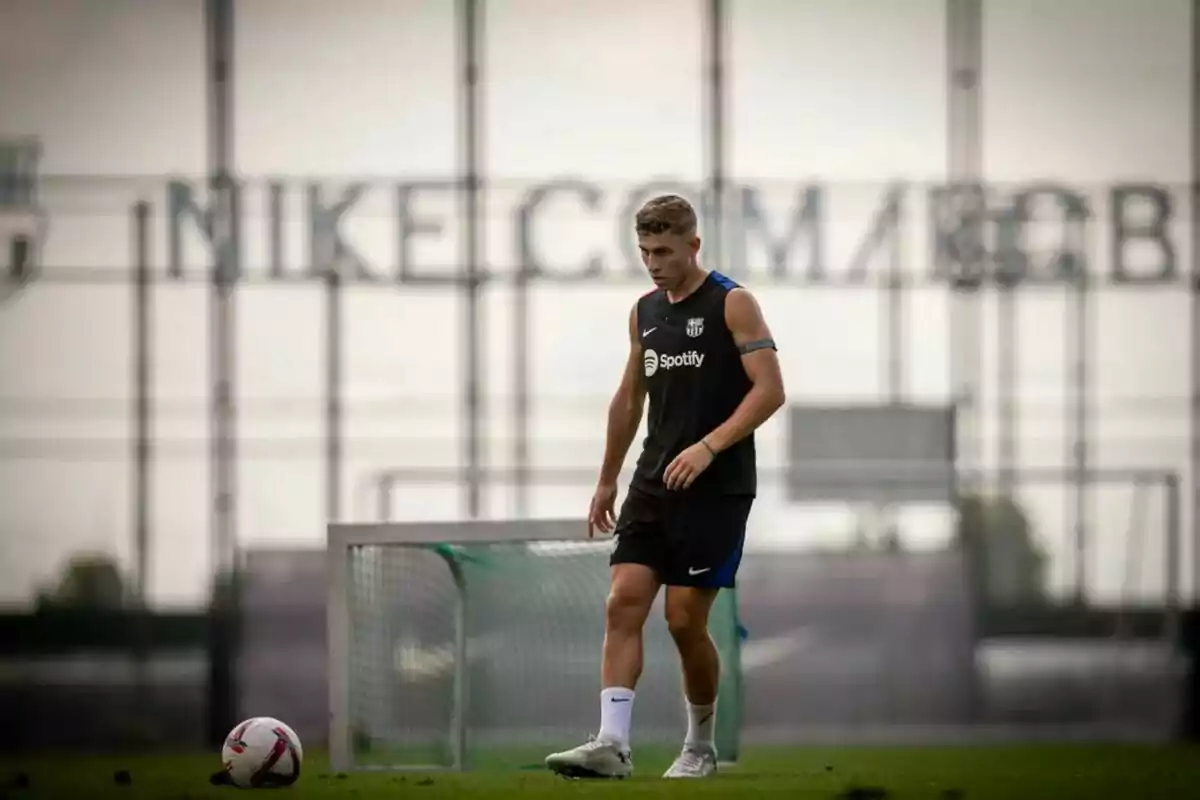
(890, 541)
(998, 537)
(89, 580)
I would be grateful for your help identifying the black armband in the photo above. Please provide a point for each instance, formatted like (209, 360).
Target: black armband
(757, 344)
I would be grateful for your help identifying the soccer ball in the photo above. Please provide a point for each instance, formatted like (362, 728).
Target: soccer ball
(262, 752)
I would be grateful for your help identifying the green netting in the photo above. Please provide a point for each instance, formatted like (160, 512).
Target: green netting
(533, 619)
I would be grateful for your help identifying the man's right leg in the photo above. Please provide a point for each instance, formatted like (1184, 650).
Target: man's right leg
(631, 594)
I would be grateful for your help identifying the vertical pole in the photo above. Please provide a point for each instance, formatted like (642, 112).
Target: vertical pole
(964, 31)
(1195, 306)
(1006, 387)
(470, 30)
(334, 416)
(964, 136)
(222, 694)
(142, 448)
(224, 278)
(143, 332)
(893, 331)
(275, 244)
(460, 733)
(1078, 340)
(522, 405)
(896, 327)
(1008, 282)
(716, 22)
(1172, 552)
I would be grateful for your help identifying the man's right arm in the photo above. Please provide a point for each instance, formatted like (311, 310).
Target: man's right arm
(625, 410)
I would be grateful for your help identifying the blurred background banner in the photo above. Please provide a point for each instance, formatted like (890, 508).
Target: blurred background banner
(271, 265)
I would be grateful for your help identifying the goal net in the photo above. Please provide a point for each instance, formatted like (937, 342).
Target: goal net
(469, 644)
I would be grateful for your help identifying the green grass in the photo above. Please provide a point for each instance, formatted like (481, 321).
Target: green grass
(1083, 772)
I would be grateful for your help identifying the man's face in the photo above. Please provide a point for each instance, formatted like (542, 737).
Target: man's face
(668, 257)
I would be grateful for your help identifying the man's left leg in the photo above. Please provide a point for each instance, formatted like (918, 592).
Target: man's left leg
(709, 533)
(687, 609)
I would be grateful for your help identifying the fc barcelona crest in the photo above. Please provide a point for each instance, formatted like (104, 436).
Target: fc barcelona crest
(695, 326)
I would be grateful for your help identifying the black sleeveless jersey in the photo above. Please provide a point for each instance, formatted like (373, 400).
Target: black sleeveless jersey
(695, 380)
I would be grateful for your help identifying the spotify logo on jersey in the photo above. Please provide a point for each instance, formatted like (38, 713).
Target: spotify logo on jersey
(654, 362)
(650, 359)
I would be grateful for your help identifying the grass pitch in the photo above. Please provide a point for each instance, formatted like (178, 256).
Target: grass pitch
(1083, 772)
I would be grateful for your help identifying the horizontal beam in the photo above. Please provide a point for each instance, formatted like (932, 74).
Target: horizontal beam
(582, 476)
(342, 535)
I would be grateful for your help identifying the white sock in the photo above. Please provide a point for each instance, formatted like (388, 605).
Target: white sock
(701, 724)
(616, 715)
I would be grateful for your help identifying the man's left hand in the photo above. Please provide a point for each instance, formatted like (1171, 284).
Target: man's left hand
(687, 466)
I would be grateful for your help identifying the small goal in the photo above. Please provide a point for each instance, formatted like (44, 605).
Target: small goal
(457, 645)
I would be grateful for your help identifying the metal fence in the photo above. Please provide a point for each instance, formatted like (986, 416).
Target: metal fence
(1063, 335)
(1054, 312)
(227, 352)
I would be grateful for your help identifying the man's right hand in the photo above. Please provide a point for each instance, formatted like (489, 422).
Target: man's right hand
(600, 513)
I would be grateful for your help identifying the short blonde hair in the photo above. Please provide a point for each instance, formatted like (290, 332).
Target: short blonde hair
(668, 213)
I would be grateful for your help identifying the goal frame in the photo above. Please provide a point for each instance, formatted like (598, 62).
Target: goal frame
(340, 538)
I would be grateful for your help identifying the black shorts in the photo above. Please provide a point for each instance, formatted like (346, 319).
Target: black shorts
(687, 539)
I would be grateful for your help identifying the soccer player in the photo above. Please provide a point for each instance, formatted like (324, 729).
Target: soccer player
(700, 349)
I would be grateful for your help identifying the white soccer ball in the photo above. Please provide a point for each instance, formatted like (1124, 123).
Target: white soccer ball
(261, 753)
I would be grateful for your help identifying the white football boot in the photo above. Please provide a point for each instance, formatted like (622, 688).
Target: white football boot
(696, 761)
(598, 758)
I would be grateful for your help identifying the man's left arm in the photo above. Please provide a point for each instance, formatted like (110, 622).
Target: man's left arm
(766, 396)
(753, 338)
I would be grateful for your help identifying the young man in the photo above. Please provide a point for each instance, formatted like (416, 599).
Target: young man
(700, 349)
